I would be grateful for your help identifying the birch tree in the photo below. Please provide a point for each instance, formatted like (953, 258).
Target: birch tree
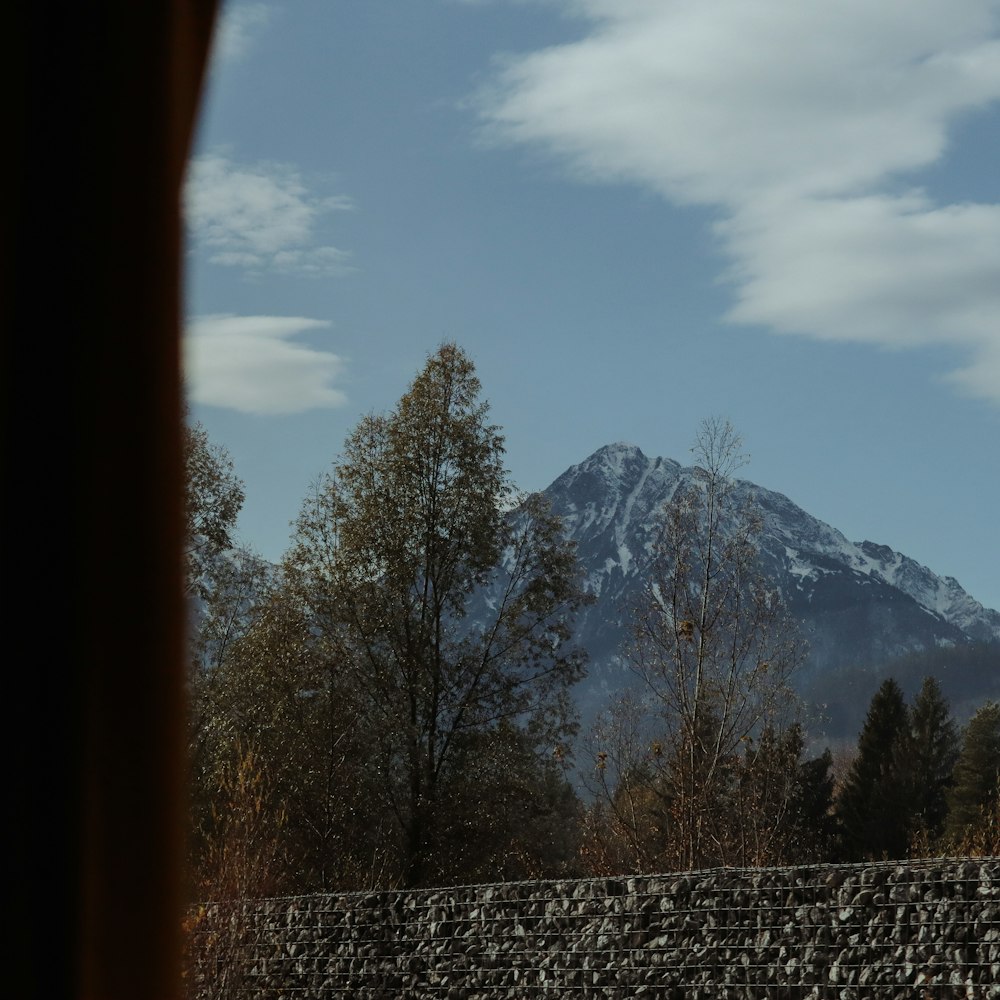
(712, 644)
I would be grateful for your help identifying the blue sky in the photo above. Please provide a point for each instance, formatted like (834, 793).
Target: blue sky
(633, 214)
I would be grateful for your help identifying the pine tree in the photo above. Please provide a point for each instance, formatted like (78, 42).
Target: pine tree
(928, 759)
(811, 827)
(977, 773)
(871, 806)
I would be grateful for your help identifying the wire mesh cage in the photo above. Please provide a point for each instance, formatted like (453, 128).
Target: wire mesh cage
(927, 929)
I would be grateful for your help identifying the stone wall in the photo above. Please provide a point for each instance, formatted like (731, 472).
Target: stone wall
(924, 929)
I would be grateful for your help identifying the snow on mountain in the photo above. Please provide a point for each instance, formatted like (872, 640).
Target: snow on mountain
(609, 504)
(941, 595)
(856, 603)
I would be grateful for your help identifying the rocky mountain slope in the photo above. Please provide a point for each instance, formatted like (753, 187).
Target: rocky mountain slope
(857, 604)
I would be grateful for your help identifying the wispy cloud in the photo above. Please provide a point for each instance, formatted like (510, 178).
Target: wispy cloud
(240, 26)
(248, 363)
(260, 217)
(802, 125)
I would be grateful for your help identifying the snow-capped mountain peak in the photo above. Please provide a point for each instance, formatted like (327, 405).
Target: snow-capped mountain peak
(856, 603)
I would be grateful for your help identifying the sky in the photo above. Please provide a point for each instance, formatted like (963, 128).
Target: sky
(633, 215)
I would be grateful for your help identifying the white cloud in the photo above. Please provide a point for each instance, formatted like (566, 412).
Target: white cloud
(238, 28)
(886, 270)
(798, 122)
(260, 217)
(246, 363)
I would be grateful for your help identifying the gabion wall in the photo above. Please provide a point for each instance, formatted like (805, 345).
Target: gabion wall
(916, 930)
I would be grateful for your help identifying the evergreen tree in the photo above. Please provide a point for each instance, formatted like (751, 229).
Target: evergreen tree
(977, 773)
(928, 759)
(811, 826)
(871, 807)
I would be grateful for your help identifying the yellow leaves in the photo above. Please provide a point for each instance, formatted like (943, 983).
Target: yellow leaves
(194, 919)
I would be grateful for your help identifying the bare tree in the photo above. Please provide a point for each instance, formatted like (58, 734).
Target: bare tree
(712, 643)
(628, 819)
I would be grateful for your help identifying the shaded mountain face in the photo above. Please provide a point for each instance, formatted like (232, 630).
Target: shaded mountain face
(857, 604)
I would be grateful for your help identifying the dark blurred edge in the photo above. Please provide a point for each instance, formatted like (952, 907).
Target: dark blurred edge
(102, 104)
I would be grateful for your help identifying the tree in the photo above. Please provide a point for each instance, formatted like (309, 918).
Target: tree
(872, 807)
(213, 498)
(976, 791)
(237, 863)
(928, 759)
(811, 824)
(274, 697)
(775, 806)
(629, 821)
(712, 641)
(506, 811)
(255, 712)
(224, 583)
(222, 617)
(389, 553)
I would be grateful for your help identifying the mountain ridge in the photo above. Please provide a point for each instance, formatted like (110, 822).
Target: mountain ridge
(856, 603)
(941, 596)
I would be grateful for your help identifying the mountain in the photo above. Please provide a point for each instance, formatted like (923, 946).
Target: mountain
(859, 605)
